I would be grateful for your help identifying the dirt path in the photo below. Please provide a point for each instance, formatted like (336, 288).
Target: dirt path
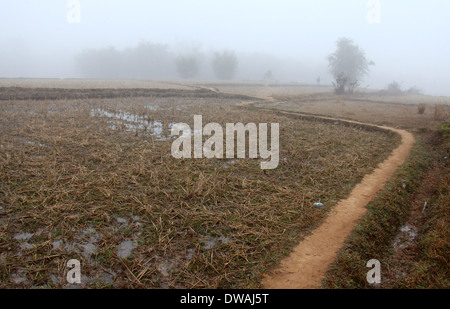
(305, 267)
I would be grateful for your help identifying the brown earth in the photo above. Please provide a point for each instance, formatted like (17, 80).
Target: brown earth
(406, 244)
(305, 267)
(308, 262)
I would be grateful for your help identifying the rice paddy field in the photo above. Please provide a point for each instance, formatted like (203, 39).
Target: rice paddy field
(401, 111)
(87, 174)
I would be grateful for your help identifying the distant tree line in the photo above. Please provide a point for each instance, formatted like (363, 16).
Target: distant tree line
(147, 60)
(152, 60)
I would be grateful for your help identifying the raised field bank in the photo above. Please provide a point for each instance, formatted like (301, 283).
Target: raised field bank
(88, 174)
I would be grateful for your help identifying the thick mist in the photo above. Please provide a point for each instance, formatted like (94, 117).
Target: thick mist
(280, 41)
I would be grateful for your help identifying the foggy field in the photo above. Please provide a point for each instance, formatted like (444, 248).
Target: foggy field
(94, 180)
(197, 144)
(396, 111)
(88, 83)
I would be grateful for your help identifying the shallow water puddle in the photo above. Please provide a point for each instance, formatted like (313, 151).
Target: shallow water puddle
(32, 143)
(125, 248)
(23, 236)
(133, 122)
(211, 242)
(19, 278)
(152, 107)
(406, 236)
(86, 244)
(229, 163)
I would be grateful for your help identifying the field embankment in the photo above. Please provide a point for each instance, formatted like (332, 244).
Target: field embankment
(406, 228)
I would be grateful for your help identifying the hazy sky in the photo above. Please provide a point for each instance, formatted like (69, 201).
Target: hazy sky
(410, 44)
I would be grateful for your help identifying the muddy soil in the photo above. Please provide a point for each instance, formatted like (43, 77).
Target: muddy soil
(307, 264)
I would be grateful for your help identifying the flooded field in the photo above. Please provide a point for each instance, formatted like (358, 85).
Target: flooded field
(94, 180)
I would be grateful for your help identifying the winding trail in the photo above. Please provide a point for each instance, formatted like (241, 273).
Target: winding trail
(307, 264)
(305, 267)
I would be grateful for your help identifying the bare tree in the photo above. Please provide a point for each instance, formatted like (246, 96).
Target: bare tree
(348, 65)
(268, 76)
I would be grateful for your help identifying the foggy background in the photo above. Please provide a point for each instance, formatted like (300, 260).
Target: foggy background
(409, 42)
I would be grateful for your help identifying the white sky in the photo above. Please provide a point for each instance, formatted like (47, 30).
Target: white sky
(411, 44)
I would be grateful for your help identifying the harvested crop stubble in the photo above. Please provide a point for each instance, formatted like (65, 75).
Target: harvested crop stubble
(104, 188)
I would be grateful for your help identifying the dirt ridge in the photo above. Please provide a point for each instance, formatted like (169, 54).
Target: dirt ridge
(305, 267)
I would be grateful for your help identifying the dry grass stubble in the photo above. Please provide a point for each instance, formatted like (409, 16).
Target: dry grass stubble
(94, 180)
